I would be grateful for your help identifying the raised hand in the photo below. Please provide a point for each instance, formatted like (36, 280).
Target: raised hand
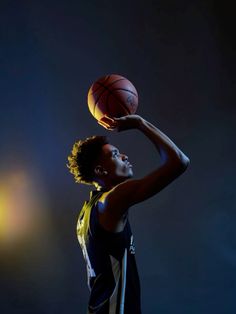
(122, 123)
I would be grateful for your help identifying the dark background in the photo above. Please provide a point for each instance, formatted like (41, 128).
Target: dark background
(180, 55)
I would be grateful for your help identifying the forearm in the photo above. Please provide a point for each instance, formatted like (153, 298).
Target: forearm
(167, 149)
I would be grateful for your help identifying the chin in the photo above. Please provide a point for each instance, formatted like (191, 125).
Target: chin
(130, 175)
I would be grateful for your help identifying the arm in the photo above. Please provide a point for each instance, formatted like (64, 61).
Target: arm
(173, 163)
(167, 149)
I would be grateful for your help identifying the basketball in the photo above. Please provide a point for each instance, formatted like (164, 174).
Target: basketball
(112, 95)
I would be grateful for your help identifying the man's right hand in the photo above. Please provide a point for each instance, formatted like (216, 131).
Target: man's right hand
(121, 124)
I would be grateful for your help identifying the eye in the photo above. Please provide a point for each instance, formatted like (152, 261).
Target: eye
(115, 153)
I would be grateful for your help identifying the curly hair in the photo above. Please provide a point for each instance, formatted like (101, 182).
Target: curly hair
(84, 156)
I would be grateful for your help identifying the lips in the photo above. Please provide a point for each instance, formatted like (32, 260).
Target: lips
(129, 165)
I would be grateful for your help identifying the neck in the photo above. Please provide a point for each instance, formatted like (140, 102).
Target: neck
(103, 187)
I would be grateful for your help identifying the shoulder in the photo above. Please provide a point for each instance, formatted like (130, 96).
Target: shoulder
(109, 214)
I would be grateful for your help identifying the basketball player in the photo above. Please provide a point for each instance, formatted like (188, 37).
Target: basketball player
(103, 228)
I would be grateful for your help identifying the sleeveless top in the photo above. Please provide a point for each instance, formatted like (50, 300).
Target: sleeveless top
(112, 273)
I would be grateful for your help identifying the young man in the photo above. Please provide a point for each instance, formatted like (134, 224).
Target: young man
(103, 228)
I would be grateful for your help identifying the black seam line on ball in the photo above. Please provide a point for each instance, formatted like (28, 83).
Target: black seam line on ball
(107, 78)
(105, 89)
(124, 107)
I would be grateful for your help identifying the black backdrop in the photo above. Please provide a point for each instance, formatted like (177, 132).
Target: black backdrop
(180, 55)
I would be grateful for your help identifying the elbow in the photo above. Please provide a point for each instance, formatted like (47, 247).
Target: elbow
(180, 163)
(184, 163)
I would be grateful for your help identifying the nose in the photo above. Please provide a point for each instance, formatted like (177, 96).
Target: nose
(124, 157)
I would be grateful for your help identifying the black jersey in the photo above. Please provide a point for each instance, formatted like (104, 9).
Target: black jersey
(111, 267)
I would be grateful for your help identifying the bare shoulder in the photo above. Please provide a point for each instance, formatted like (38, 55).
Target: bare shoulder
(112, 212)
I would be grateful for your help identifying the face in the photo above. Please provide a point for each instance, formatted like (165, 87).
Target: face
(115, 164)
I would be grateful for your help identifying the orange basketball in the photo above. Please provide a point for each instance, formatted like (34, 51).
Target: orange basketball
(112, 95)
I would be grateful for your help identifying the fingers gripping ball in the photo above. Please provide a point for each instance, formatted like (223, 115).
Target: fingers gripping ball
(112, 95)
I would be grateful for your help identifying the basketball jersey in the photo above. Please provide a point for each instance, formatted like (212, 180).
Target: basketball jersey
(112, 273)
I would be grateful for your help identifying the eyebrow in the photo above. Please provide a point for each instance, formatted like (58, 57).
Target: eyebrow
(110, 153)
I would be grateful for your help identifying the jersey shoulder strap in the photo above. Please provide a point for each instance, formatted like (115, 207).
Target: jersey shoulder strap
(84, 224)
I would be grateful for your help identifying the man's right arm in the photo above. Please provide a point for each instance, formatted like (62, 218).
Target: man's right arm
(173, 163)
(167, 149)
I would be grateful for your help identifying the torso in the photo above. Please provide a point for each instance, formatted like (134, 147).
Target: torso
(121, 224)
(110, 258)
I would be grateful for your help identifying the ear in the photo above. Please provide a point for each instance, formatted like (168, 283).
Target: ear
(99, 170)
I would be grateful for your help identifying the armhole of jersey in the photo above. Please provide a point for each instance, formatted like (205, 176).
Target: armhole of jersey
(93, 221)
